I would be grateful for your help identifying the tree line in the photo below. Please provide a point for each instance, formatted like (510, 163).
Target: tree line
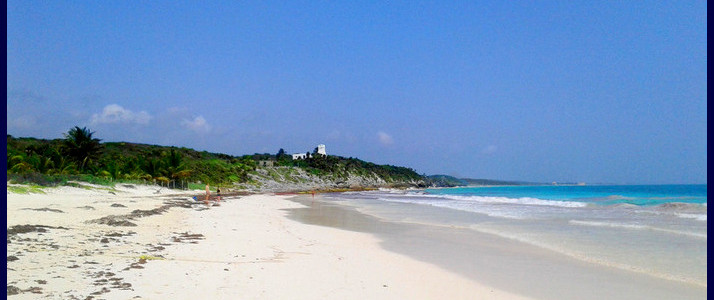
(80, 155)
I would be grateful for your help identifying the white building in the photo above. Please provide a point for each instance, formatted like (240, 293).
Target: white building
(297, 156)
(320, 150)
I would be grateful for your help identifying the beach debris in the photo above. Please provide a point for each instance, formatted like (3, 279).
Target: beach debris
(142, 260)
(18, 229)
(156, 248)
(119, 234)
(26, 228)
(133, 266)
(145, 213)
(122, 285)
(13, 290)
(102, 274)
(113, 221)
(40, 239)
(123, 220)
(102, 291)
(107, 278)
(187, 236)
(44, 209)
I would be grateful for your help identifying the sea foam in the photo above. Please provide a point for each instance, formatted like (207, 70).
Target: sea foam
(637, 227)
(506, 200)
(502, 207)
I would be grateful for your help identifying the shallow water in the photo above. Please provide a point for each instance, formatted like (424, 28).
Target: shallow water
(660, 231)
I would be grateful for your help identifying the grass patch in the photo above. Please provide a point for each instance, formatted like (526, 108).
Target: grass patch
(78, 185)
(196, 186)
(31, 189)
(149, 257)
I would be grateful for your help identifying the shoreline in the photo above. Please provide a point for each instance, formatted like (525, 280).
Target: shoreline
(159, 243)
(496, 261)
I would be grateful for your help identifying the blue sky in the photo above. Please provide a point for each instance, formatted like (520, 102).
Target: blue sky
(604, 91)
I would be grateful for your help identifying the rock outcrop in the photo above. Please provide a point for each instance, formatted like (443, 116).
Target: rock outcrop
(291, 179)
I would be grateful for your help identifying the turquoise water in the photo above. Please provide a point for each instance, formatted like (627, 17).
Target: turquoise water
(641, 195)
(659, 230)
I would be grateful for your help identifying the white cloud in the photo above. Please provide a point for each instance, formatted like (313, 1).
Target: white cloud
(198, 124)
(490, 149)
(385, 138)
(114, 113)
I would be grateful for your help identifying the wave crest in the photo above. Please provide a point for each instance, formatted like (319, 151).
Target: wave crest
(505, 200)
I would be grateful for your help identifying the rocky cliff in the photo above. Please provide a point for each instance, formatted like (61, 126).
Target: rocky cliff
(294, 179)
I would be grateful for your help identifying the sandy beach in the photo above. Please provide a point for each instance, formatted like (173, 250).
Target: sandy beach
(146, 242)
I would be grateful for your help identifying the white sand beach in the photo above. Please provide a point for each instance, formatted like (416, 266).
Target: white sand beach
(79, 244)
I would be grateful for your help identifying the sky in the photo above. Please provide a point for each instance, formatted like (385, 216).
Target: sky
(542, 91)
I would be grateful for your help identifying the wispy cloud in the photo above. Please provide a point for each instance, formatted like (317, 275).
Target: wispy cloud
(25, 95)
(114, 113)
(385, 139)
(198, 124)
(24, 122)
(490, 149)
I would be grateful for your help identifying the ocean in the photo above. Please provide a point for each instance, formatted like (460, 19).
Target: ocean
(657, 230)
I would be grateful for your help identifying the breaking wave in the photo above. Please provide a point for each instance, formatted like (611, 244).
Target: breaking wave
(497, 200)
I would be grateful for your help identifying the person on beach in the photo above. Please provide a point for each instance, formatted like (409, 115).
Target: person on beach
(208, 194)
(218, 194)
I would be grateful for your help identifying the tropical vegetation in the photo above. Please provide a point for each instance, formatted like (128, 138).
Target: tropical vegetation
(82, 156)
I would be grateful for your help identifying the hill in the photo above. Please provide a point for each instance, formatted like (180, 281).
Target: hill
(445, 181)
(81, 157)
(479, 182)
(451, 181)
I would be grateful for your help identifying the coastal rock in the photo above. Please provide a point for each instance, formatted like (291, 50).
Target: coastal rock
(286, 179)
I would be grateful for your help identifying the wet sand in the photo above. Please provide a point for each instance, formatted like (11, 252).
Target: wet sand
(495, 261)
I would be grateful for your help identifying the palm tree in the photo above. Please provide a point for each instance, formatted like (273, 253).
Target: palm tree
(40, 163)
(17, 164)
(81, 147)
(62, 164)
